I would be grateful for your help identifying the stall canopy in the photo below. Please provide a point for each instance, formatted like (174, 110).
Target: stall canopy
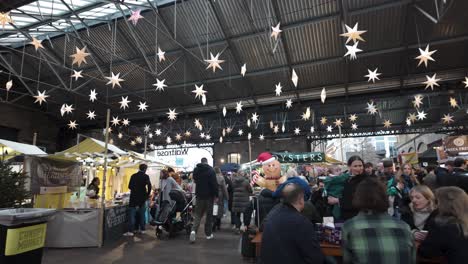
(92, 145)
(11, 149)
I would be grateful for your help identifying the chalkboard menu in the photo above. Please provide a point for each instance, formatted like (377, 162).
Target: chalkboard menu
(115, 222)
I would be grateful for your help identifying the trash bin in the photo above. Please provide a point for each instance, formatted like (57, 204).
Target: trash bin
(22, 234)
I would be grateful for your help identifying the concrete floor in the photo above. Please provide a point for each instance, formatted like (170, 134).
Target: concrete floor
(147, 249)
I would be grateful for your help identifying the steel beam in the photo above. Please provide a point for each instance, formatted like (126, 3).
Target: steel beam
(10, 68)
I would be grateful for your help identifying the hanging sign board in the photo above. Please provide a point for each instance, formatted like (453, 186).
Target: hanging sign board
(305, 157)
(456, 144)
(411, 158)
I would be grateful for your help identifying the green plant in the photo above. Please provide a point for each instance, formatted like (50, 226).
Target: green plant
(13, 187)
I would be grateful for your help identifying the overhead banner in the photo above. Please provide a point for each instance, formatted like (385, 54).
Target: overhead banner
(306, 157)
(411, 158)
(456, 144)
(53, 176)
(185, 157)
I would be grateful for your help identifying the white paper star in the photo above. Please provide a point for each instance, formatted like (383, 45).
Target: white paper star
(152, 146)
(124, 103)
(199, 92)
(353, 118)
(146, 129)
(150, 135)
(371, 109)
(297, 131)
(72, 124)
(80, 56)
(255, 117)
(202, 135)
(229, 130)
(294, 78)
(447, 119)
(387, 124)
(329, 129)
(125, 122)
(208, 137)
(135, 17)
(214, 62)
(283, 128)
(77, 74)
(178, 137)
(275, 31)
(417, 102)
(352, 50)
(353, 33)
(249, 136)
(158, 132)
(8, 85)
(373, 75)
(431, 81)
(248, 122)
(338, 122)
(197, 123)
(323, 120)
(142, 106)
(132, 143)
(115, 121)
(288, 103)
(412, 117)
(36, 43)
(354, 126)
(408, 122)
(453, 102)
(240, 132)
(188, 133)
(421, 115)
(224, 111)
(40, 97)
(239, 107)
(92, 95)
(160, 54)
(261, 137)
(91, 115)
(172, 115)
(160, 85)
(276, 129)
(323, 95)
(139, 140)
(312, 129)
(120, 135)
(425, 56)
(278, 89)
(67, 109)
(466, 82)
(244, 69)
(306, 115)
(114, 79)
(220, 139)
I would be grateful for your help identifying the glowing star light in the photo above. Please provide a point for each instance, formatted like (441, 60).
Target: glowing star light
(240, 132)
(239, 107)
(329, 129)
(371, 108)
(352, 50)
(421, 115)
(72, 124)
(261, 137)
(354, 126)
(417, 102)
(160, 54)
(278, 89)
(124, 103)
(353, 118)
(323, 95)
(40, 97)
(160, 85)
(312, 129)
(453, 102)
(139, 140)
(172, 115)
(120, 135)
(142, 106)
(92, 95)
(412, 117)
(249, 136)
(125, 122)
(431, 81)
(67, 109)
(147, 129)
(214, 62)
(294, 78)
(135, 17)
(199, 92)
(9, 84)
(353, 34)
(297, 131)
(425, 56)
(77, 74)
(5, 18)
(80, 56)
(338, 122)
(387, 124)
(244, 69)
(115, 121)
(158, 132)
(36, 43)
(114, 79)
(466, 82)
(91, 115)
(323, 120)
(447, 119)
(132, 143)
(275, 31)
(255, 117)
(187, 133)
(288, 103)
(220, 139)
(372, 75)
(224, 111)
(178, 137)
(276, 129)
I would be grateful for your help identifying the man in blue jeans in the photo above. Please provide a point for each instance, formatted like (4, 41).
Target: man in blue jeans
(140, 189)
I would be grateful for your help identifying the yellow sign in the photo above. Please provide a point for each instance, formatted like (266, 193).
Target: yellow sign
(25, 239)
(411, 158)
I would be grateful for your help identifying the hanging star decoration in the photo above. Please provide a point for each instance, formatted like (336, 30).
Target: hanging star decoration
(132, 143)
(40, 97)
(306, 115)
(275, 31)
(67, 109)
(288, 103)
(240, 132)
(135, 17)
(109, 130)
(115, 121)
(278, 89)
(224, 111)
(272, 124)
(161, 55)
(202, 135)
(36, 43)
(323, 120)
(91, 115)
(338, 122)
(72, 124)
(329, 129)
(8, 85)
(124, 103)
(353, 33)
(387, 124)
(224, 132)
(297, 131)
(158, 132)
(199, 92)
(220, 139)
(5, 18)
(312, 129)
(421, 115)
(353, 118)
(466, 82)
(172, 115)
(372, 75)
(294, 78)
(453, 102)
(143, 106)
(255, 117)
(77, 74)
(244, 69)
(120, 135)
(139, 140)
(276, 129)
(447, 119)
(323, 95)
(214, 62)
(178, 137)
(152, 146)
(114, 80)
(371, 108)
(425, 56)
(92, 95)
(239, 107)
(249, 136)
(160, 85)
(412, 117)
(125, 122)
(418, 101)
(188, 133)
(248, 122)
(198, 124)
(150, 135)
(408, 122)
(431, 81)
(203, 99)
(283, 128)
(147, 128)
(352, 50)
(261, 137)
(80, 56)
(354, 126)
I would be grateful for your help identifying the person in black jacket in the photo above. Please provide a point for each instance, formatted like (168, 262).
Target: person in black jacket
(206, 192)
(266, 202)
(449, 235)
(288, 236)
(140, 190)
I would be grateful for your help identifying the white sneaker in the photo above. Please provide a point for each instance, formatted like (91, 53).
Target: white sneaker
(210, 237)
(129, 234)
(193, 236)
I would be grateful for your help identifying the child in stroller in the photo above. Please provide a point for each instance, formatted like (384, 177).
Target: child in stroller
(174, 215)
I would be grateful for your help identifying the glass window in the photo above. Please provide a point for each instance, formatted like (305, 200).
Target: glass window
(234, 158)
(380, 146)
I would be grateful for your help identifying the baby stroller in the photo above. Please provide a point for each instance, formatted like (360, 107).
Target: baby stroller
(168, 219)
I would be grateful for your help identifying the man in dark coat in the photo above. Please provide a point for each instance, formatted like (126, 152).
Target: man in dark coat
(206, 192)
(458, 177)
(140, 189)
(288, 236)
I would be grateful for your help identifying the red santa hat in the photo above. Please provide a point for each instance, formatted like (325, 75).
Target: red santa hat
(265, 158)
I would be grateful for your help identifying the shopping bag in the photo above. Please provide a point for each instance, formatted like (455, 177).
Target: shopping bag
(215, 210)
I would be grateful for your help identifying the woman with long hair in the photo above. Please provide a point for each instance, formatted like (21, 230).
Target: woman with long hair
(407, 174)
(222, 195)
(421, 212)
(93, 189)
(449, 235)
